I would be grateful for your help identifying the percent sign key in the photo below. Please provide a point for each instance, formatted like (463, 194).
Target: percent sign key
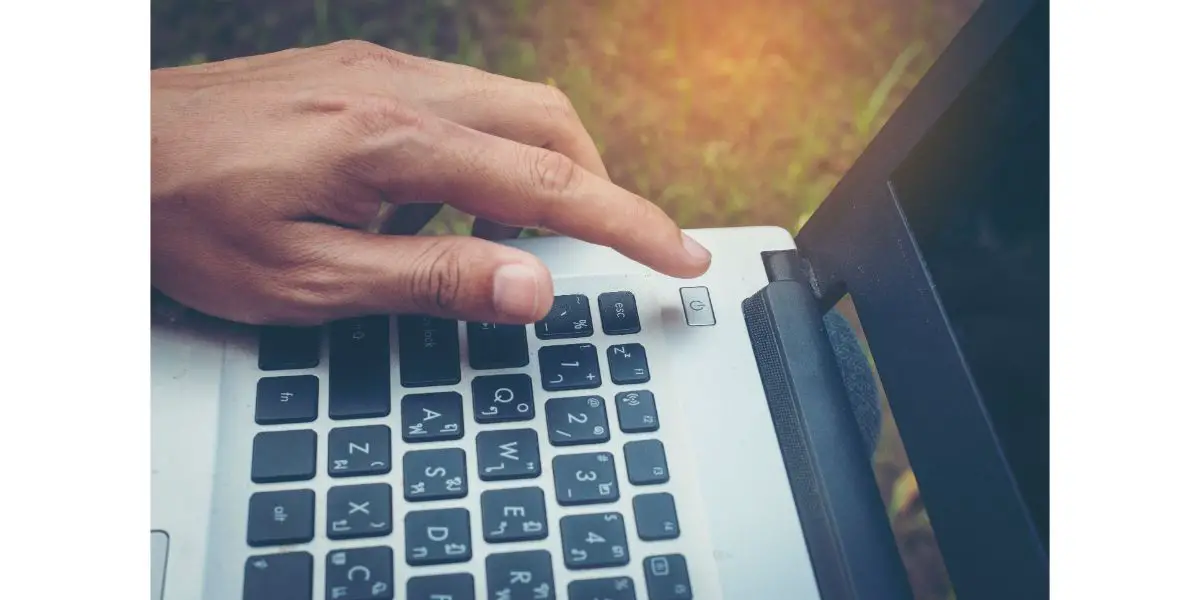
(570, 317)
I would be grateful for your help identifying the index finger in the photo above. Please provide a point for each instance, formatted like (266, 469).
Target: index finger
(514, 184)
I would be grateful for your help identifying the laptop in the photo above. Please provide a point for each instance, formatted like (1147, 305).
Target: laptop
(656, 438)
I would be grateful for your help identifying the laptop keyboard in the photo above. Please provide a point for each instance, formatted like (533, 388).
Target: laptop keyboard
(426, 495)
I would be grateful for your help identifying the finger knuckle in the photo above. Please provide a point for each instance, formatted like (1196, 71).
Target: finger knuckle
(556, 103)
(317, 288)
(349, 45)
(436, 280)
(554, 174)
(638, 211)
(380, 113)
(472, 73)
(298, 291)
(360, 53)
(294, 277)
(376, 131)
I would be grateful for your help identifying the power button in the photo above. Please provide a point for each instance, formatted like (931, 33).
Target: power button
(697, 306)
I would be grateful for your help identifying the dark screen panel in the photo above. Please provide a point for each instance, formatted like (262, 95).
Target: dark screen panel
(975, 193)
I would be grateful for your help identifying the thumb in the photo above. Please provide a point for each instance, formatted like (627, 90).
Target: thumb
(454, 277)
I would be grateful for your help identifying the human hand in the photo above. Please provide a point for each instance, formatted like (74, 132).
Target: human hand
(266, 168)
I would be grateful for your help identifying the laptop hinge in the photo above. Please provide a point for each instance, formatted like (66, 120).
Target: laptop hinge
(789, 265)
(853, 552)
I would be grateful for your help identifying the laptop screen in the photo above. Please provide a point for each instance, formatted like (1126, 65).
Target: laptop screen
(975, 193)
(955, 187)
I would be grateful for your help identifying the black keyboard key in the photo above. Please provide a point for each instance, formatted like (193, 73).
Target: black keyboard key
(604, 588)
(507, 454)
(655, 516)
(525, 575)
(585, 478)
(514, 515)
(636, 411)
(496, 346)
(285, 400)
(436, 537)
(280, 518)
(569, 367)
(627, 364)
(284, 456)
(355, 451)
(435, 474)
(502, 398)
(284, 576)
(618, 313)
(432, 417)
(576, 420)
(594, 541)
(428, 348)
(359, 368)
(452, 586)
(359, 574)
(284, 348)
(569, 317)
(646, 462)
(667, 577)
(358, 511)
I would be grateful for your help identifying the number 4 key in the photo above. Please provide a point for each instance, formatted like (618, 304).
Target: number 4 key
(594, 541)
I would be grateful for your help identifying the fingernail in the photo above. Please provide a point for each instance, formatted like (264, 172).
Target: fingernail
(694, 249)
(515, 292)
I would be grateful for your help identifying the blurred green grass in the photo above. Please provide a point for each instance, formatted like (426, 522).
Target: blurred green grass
(722, 113)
